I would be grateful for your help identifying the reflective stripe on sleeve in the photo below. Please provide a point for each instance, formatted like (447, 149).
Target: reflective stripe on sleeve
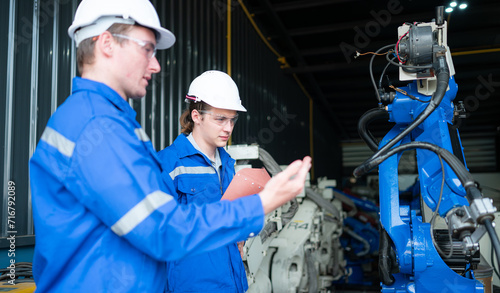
(140, 211)
(191, 170)
(57, 140)
(141, 134)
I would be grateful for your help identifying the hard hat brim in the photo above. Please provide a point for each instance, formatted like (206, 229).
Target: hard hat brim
(166, 38)
(235, 107)
(93, 17)
(238, 108)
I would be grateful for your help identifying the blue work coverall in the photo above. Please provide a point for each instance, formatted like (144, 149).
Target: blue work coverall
(190, 174)
(103, 219)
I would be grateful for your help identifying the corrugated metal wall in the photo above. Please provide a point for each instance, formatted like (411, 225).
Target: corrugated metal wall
(38, 63)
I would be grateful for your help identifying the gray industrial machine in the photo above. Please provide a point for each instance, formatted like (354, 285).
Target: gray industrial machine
(299, 248)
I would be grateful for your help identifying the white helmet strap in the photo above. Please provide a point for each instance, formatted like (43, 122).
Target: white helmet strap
(98, 27)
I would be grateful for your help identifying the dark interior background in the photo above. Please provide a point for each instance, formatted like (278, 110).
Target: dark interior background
(319, 39)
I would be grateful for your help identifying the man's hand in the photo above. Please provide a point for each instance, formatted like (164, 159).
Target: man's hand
(285, 185)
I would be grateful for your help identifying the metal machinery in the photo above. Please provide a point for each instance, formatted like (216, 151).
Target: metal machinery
(360, 242)
(299, 248)
(413, 256)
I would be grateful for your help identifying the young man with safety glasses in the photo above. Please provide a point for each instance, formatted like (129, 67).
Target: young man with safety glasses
(103, 217)
(198, 169)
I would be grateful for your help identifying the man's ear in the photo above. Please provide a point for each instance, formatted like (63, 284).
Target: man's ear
(106, 43)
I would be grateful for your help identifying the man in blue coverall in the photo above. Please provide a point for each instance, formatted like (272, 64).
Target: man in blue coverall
(198, 170)
(103, 220)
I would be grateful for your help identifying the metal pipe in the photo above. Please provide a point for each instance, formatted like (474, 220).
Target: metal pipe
(73, 48)
(171, 69)
(33, 100)
(55, 59)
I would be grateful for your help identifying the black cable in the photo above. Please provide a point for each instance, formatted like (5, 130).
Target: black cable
(23, 269)
(492, 260)
(443, 76)
(455, 164)
(384, 261)
(370, 67)
(367, 118)
(420, 67)
(494, 239)
(436, 211)
(467, 268)
(417, 99)
(383, 72)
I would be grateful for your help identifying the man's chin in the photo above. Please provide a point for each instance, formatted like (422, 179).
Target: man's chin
(222, 144)
(137, 96)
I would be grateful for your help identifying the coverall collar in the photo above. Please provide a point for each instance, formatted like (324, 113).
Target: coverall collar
(83, 84)
(196, 146)
(185, 148)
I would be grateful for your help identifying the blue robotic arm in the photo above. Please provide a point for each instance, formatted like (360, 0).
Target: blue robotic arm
(424, 259)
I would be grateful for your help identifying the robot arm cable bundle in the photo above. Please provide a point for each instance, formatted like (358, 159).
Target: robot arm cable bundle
(443, 75)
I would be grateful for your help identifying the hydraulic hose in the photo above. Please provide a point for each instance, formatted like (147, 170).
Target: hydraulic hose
(323, 203)
(384, 261)
(455, 164)
(443, 76)
(269, 163)
(365, 120)
(274, 168)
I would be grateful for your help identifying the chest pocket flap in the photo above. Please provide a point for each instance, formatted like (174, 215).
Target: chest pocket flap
(198, 189)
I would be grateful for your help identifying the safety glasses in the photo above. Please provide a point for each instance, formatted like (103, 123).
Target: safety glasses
(219, 119)
(148, 47)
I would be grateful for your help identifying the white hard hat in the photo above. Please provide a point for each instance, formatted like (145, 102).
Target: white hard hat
(93, 17)
(217, 89)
